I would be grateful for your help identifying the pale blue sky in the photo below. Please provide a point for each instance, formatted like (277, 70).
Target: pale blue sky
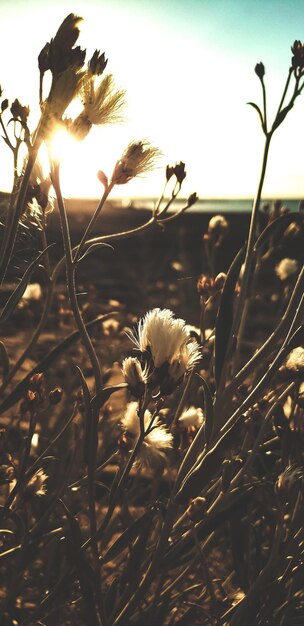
(188, 68)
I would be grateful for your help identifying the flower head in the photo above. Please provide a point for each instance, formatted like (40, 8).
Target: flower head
(260, 70)
(193, 416)
(295, 360)
(135, 375)
(286, 268)
(157, 440)
(102, 104)
(165, 342)
(138, 158)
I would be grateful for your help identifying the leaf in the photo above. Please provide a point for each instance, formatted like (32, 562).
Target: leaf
(225, 315)
(207, 468)
(129, 536)
(21, 287)
(46, 362)
(208, 410)
(4, 360)
(88, 414)
(278, 226)
(255, 106)
(281, 116)
(99, 400)
(86, 577)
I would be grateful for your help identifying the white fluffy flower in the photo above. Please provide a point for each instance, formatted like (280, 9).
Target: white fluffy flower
(156, 442)
(295, 360)
(286, 268)
(167, 340)
(193, 416)
(32, 292)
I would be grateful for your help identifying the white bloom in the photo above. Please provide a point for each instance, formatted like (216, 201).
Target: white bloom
(32, 292)
(163, 334)
(156, 442)
(168, 341)
(295, 360)
(135, 375)
(184, 362)
(286, 268)
(193, 416)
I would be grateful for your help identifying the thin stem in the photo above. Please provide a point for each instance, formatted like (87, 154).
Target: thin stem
(92, 222)
(285, 91)
(70, 269)
(251, 240)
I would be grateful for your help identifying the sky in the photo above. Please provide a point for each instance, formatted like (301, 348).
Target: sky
(188, 70)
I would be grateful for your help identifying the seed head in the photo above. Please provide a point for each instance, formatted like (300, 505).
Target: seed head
(138, 158)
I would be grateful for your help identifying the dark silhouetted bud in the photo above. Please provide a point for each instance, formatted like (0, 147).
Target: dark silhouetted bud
(260, 70)
(55, 395)
(297, 60)
(4, 105)
(179, 171)
(61, 54)
(19, 111)
(97, 63)
(169, 172)
(193, 198)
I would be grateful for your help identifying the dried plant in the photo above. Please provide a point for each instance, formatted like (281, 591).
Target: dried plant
(169, 491)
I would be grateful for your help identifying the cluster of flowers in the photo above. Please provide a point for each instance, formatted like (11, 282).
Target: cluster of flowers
(167, 353)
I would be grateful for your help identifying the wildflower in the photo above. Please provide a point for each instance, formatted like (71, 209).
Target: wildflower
(192, 417)
(156, 442)
(138, 158)
(166, 341)
(260, 70)
(36, 485)
(295, 360)
(102, 104)
(135, 375)
(286, 268)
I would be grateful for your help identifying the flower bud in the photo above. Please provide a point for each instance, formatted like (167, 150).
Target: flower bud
(4, 105)
(97, 63)
(193, 198)
(260, 70)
